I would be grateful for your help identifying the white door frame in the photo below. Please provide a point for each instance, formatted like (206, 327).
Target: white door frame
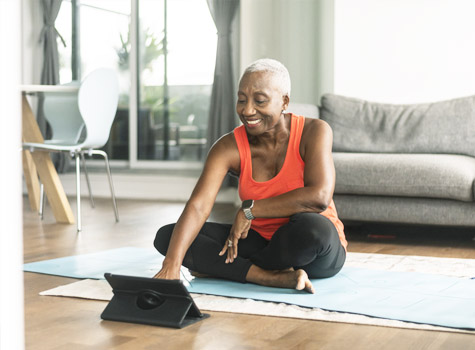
(11, 220)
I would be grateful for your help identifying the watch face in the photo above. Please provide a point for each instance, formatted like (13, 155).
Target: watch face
(247, 204)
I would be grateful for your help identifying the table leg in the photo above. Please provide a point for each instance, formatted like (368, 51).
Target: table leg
(45, 168)
(31, 179)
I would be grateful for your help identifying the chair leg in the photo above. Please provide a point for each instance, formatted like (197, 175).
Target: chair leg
(87, 180)
(42, 201)
(78, 190)
(109, 176)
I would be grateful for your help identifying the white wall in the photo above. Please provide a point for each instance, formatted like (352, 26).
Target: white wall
(396, 51)
(11, 231)
(404, 51)
(283, 30)
(325, 44)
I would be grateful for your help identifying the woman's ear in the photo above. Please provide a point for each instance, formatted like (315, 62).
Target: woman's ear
(286, 102)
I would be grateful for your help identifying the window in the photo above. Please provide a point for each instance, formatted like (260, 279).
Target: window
(176, 50)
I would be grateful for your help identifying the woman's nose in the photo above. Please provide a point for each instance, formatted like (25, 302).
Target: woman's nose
(248, 109)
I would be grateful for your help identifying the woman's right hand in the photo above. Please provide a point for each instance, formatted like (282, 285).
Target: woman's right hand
(239, 230)
(168, 273)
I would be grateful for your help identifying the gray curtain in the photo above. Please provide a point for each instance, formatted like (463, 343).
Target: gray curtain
(48, 36)
(222, 111)
(50, 71)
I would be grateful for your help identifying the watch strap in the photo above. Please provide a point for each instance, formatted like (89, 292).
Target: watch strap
(246, 208)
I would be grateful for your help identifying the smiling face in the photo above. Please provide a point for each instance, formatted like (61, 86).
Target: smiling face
(260, 102)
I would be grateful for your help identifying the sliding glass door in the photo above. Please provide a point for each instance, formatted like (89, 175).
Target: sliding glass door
(177, 50)
(164, 53)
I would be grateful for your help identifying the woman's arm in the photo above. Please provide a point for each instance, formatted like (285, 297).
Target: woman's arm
(319, 177)
(222, 157)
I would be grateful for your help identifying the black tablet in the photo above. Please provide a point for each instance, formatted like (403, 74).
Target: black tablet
(151, 301)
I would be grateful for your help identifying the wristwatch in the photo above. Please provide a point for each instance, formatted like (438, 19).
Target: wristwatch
(246, 208)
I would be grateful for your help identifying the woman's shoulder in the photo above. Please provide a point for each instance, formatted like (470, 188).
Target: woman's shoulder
(316, 134)
(226, 141)
(225, 149)
(314, 127)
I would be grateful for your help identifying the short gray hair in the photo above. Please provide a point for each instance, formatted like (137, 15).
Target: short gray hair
(272, 66)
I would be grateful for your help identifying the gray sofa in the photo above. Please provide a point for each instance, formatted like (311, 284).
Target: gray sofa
(410, 164)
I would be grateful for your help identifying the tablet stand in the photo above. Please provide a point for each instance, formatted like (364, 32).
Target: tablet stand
(151, 301)
(149, 307)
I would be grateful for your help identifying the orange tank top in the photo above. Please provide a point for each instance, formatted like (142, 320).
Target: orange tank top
(290, 177)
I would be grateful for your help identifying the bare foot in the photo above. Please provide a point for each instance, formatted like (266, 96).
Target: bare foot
(280, 278)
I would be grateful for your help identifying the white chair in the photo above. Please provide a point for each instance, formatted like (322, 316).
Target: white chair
(92, 109)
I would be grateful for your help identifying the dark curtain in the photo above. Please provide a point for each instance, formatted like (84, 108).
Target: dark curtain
(48, 36)
(222, 111)
(50, 71)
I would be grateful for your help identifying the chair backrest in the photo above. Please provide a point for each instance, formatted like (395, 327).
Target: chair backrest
(62, 113)
(98, 99)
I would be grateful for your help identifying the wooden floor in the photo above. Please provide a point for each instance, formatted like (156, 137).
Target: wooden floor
(66, 323)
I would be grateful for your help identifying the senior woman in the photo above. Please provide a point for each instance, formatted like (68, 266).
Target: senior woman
(287, 230)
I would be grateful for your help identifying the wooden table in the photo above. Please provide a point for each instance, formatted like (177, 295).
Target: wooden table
(39, 164)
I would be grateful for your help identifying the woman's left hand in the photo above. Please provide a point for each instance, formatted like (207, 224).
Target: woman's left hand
(239, 231)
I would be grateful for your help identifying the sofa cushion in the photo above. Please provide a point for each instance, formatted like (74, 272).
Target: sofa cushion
(410, 175)
(361, 126)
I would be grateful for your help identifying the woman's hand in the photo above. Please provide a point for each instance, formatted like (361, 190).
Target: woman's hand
(168, 273)
(239, 231)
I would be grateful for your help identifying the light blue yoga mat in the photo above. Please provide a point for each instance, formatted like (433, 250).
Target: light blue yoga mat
(406, 296)
(142, 262)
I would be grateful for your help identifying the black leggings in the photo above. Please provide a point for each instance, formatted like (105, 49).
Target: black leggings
(309, 241)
